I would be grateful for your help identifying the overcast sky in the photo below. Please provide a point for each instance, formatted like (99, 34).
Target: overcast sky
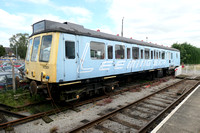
(163, 21)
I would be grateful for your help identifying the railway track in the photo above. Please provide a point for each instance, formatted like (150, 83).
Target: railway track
(24, 119)
(141, 115)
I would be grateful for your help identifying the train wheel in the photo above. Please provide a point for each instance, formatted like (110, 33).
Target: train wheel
(33, 88)
(108, 90)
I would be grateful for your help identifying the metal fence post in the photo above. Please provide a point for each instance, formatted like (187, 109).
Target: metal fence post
(13, 77)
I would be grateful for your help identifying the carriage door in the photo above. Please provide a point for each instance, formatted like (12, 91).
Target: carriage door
(172, 59)
(71, 59)
(169, 57)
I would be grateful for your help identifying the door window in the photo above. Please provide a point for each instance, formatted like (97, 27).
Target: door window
(69, 50)
(110, 52)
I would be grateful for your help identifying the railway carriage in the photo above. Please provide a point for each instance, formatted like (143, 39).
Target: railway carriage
(68, 59)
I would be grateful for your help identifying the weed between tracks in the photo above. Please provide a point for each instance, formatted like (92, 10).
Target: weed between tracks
(20, 98)
(14, 99)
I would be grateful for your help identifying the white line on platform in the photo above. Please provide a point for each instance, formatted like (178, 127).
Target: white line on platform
(164, 121)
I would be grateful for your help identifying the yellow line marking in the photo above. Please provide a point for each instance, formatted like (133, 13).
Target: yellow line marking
(109, 77)
(70, 83)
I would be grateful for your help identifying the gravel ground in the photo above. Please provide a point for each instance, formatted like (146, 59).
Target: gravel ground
(70, 119)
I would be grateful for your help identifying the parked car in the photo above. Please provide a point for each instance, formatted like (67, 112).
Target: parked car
(9, 69)
(5, 64)
(6, 80)
(22, 70)
(1, 69)
(22, 67)
(16, 64)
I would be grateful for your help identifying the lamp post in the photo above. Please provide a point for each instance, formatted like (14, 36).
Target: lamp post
(13, 76)
(122, 26)
(16, 51)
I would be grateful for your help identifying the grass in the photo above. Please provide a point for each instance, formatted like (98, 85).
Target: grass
(40, 108)
(21, 97)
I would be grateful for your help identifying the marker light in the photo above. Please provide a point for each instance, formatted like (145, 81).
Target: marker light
(47, 77)
(77, 96)
(26, 71)
(43, 74)
(33, 73)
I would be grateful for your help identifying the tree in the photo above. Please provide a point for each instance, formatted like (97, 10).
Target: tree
(2, 51)
(189, 54)
(20, 41)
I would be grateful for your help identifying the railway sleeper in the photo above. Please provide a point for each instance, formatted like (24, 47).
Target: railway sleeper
(140, 110)
(170, 96)
(164, 97)
(152, 107)
(160, 100)
(125, 123)
(104, 129)
(155, 104)
(129, 114)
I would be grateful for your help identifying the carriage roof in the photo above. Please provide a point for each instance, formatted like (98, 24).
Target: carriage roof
(67, 27)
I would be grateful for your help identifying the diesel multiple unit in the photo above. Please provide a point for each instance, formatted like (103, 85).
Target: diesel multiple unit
(63, 55)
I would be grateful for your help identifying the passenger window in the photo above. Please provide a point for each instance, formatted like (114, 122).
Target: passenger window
(163, 55)
(159, 55)
(176, 55)
(69, 50)
(34, 54)
(9, 78)
(119, 52)
(141, 53)
(97, 50)
(146, 52)
(110, 52)
(128, 53)
(2, 79)
(156, 54)
(135, 53)
(171, 55)
(45, 48)
(151, 54)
